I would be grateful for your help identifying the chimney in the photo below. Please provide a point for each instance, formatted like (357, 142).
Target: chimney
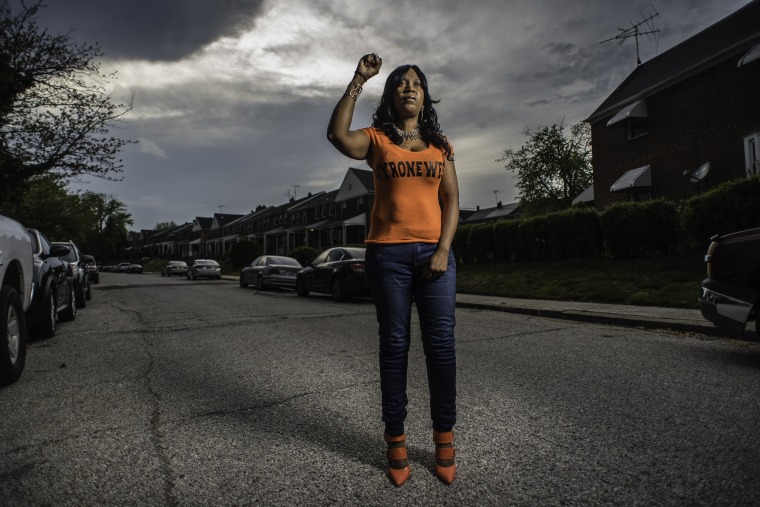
(498, 204)
(477, 208)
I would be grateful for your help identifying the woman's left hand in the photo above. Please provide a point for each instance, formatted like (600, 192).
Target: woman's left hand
(437, 265)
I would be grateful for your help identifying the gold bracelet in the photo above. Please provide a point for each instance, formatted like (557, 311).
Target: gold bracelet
(353, 90)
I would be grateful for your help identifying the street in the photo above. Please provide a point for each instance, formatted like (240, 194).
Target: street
(166, 391)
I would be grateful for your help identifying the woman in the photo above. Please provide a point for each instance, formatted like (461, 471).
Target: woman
(408, 256)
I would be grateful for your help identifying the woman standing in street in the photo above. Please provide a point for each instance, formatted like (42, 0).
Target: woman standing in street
(409, 257)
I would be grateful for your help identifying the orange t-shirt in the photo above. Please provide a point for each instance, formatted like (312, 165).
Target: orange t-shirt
(406, 208)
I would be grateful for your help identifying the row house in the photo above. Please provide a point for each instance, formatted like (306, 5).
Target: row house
(224, 230)
(684, 121)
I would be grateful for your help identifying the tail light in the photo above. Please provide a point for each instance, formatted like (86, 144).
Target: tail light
(357, 267)
(708, 258)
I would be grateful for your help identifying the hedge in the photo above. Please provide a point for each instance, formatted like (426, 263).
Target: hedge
(731, 206)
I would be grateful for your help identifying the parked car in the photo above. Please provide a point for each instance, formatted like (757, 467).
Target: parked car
(174, 268)
(122, 267)
(93, 268)
(135, 268)
(16, 290)
(78, 272)
(204, 268)
(271, 271)
(730, 294)
(53, 287)
(338, 271)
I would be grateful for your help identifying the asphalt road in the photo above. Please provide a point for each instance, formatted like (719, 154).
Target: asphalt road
(172, 392)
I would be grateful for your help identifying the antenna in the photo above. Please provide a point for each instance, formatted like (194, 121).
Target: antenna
(636, 31)
(295, 190)
(496, 195)
(221, 206)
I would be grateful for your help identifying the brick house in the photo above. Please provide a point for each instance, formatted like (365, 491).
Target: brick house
(684, 121)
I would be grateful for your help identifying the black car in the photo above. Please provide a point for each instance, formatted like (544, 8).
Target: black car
(730, 295)
(93, 268)
(338, 271)
(53, 287)
(271, 271)
(174, 268)
(78, 272)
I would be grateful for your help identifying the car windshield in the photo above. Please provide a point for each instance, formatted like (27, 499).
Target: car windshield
(283, 261)
(207, 263)
(179, 264)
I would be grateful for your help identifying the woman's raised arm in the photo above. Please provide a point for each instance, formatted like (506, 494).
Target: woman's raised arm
(352, 143)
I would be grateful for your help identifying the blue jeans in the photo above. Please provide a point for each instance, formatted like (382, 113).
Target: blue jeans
(394, 275)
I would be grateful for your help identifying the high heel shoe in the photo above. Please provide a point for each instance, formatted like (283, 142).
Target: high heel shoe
(397, 453)
(445, 468)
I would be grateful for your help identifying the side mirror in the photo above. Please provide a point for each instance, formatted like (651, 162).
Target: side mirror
(58, 251)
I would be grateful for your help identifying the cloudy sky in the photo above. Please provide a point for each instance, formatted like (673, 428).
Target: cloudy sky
(232, 97)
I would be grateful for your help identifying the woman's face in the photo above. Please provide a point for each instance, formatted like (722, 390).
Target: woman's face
(409, 96)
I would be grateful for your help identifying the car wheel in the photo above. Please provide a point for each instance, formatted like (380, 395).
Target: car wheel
(260, 282)
(336, 289)
(79, 298)
(242, 282)
(70, 312)
(45, 328)
(12, 335)
(301, 288)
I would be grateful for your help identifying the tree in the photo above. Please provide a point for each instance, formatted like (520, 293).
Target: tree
(55, 113)
(164, 226)
(551, 168)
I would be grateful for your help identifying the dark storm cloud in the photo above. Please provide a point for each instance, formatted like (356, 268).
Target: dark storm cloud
(148, 29)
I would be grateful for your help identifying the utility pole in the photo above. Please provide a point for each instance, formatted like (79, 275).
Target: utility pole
(635, 31)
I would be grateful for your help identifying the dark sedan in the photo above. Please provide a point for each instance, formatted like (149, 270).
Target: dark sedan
(271, 271)
(337, 271)
(53, 287)
(78, 272)
(730, 294)
(174, 268)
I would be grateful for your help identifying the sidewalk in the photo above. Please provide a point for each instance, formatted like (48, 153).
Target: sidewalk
(677, 319)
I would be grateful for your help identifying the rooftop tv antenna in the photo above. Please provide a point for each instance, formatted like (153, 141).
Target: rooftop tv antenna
(295, 190)
(496, 195)
(636, 30)
(221, 207)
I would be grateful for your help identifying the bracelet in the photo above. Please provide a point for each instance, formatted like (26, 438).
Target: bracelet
(353, 90)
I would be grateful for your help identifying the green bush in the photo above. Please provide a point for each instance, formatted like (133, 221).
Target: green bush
(641, 229)
(505, 238)
(480, 243)
(304, 254)
(460, 244)
(244, 252)
(729, 207)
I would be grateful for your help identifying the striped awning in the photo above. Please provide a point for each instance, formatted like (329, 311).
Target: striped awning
(751, 56)
(637, 109)
(640, 177)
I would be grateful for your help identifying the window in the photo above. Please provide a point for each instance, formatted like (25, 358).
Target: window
(752, 154)
(637, 127)
(360, 203)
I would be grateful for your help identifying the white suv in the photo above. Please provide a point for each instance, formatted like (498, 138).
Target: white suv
(16, 271)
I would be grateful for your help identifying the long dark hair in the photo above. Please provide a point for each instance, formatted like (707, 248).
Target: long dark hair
(385, 114)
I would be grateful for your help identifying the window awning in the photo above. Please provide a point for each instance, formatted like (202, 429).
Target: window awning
(637, 109)
(195, 241)
(640, 177)
(585, 196)
(751, 56)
